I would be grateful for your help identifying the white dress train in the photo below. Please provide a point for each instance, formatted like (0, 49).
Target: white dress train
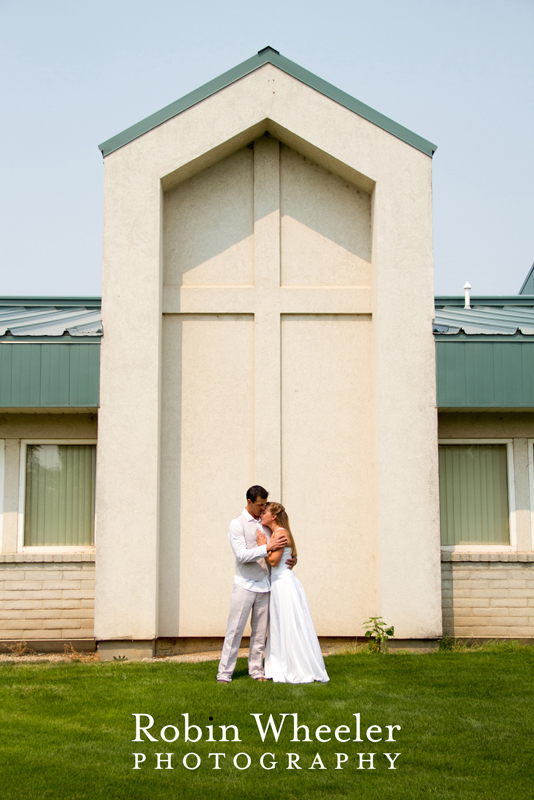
(293, 653)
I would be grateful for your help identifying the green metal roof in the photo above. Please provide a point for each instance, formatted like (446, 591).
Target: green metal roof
(39, 320)
(505, 320)
(485, 354)
(267, 56)
(58, 302)
(458, 301)
(50, 352)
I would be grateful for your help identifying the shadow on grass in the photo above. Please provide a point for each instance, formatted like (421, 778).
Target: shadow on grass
(240, 673)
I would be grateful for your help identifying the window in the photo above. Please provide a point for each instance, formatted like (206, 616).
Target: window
(475, 502)
(58, 482)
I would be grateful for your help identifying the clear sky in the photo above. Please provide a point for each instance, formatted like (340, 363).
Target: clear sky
(75, 73)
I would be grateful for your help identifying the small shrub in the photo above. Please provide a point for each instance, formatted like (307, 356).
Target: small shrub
(380, 633)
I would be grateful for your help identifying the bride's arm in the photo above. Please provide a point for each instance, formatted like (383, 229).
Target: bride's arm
(274, 557)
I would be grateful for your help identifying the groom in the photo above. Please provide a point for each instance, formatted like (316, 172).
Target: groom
(252, 587)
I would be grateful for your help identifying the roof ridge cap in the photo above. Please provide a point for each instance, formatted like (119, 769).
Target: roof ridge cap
(268, 55)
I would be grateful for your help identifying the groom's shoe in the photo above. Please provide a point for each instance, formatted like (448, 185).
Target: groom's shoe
(220, 681)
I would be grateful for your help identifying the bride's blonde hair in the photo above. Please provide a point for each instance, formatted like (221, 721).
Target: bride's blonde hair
(278, 511)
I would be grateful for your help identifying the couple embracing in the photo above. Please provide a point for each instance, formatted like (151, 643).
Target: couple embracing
(265, 587)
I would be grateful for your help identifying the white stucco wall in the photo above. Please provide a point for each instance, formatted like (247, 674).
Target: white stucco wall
(325, 226)
(227, 293)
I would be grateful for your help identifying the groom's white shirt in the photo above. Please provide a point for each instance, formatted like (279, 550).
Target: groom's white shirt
(250, 572)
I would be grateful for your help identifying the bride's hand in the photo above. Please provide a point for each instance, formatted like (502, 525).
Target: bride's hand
(261, 538)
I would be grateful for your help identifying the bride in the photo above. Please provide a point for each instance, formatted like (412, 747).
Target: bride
(293, 653)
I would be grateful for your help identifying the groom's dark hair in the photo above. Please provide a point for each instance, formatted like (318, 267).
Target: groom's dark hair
(255, 492)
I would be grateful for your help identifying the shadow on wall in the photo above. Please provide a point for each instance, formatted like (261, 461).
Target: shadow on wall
(324, 218)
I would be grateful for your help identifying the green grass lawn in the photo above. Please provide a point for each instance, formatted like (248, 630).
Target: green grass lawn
(466, 729)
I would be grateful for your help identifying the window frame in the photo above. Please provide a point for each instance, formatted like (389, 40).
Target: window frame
(490, 548)
(530, 446)
(51, 549)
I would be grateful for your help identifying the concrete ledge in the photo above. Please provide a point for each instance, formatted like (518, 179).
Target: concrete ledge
(51, 645)
(330, 645)
(135, 651)
(186, 645)
(413, 645)
(487, 557)
(132, 650)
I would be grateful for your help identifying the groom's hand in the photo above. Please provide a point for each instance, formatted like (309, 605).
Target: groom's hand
(277, 542)
(291, 561)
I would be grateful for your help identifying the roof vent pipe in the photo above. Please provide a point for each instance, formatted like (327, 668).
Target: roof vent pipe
(467, 291)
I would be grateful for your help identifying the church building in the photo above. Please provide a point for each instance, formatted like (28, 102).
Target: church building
(267, 317)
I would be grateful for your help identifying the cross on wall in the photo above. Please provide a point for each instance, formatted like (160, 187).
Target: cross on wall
(268, 301)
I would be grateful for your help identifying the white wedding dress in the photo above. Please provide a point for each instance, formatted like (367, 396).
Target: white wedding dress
(293, 653)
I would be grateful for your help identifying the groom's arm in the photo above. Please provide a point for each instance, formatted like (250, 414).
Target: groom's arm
(237, 542)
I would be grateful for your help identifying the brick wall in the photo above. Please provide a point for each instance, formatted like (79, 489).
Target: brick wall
(488, 596)
(52, 597)
(46, 597)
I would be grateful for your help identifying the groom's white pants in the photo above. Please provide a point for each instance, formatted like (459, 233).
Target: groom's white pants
(242, 603)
